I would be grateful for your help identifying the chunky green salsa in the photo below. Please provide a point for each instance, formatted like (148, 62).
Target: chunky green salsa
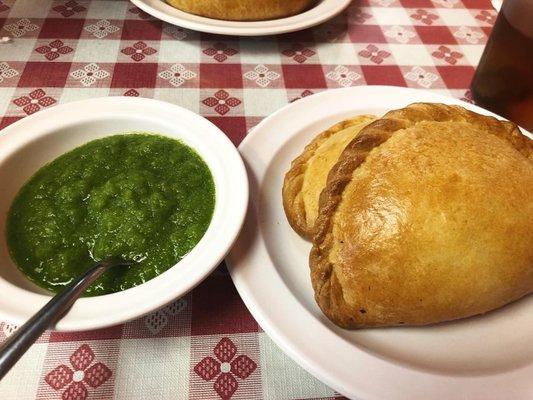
(143, 197)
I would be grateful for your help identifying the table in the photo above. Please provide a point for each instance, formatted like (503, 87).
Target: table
(206, 344)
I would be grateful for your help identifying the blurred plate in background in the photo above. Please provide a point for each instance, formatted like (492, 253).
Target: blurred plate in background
(323, 11)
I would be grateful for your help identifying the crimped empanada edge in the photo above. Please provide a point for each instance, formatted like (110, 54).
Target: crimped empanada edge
(293, 204)
(328, 290)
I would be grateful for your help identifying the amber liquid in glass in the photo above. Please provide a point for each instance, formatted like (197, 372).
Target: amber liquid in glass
(503, 82)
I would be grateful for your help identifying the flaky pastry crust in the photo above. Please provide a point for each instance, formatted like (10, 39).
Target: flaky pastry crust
(293, 192)
(426, 217)
(242, 10)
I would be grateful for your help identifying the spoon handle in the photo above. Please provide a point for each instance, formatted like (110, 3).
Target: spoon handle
(16, 345)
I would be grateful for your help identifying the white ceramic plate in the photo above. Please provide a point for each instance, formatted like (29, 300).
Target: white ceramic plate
(488, 357)
(33, 141)
(323, 11)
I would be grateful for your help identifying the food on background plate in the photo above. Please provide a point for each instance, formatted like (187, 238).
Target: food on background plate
(426, 217)
(138, 196)
(242, 10)
(309, 171)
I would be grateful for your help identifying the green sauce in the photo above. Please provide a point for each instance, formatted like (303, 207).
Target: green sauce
(137, 196)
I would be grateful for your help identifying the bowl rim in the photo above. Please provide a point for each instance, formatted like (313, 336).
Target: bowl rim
(231, 184)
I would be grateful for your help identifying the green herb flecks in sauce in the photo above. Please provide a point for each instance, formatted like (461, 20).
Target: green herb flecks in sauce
(138, 196)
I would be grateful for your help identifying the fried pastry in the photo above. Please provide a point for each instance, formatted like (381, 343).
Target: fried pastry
(242, 10)
(308, 173)
(426, 217)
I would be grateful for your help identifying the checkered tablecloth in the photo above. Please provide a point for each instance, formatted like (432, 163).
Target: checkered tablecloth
(206, 345)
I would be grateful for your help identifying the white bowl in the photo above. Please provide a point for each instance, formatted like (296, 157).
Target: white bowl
(30, 143)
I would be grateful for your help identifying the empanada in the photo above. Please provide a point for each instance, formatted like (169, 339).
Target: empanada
(242, 10)
(309, 171)
(426, 217)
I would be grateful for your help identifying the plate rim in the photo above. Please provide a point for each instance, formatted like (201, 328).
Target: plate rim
(451, 385)
(304, 20)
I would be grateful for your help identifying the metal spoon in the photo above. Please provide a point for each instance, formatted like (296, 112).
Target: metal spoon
(16, 345)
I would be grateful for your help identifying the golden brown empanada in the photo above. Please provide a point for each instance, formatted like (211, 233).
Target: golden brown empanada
(426, 217)
(309, 171)
(242, 10)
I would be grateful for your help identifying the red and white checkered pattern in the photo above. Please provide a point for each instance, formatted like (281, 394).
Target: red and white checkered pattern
(67, 50)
